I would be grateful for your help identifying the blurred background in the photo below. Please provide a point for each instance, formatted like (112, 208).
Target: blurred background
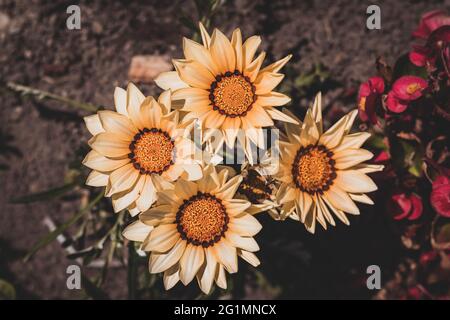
(42, 141)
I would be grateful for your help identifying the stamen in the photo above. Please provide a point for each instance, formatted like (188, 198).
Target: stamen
(152, 151)
(202, 220)
(313, 169)
(232, 94)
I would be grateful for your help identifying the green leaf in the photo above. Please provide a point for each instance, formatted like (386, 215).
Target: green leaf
(377, 141)
(404, 67)
(55, 233)
(7, 290)
(46, 195)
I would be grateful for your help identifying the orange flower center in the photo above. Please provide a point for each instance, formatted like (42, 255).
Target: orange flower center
(313, 169)
(413, 88)
(202, 220)
(232, 94)
(152, 151)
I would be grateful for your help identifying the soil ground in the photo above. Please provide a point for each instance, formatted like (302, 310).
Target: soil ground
(36, 49)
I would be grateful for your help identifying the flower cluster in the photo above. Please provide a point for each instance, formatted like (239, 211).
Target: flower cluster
(194, 216)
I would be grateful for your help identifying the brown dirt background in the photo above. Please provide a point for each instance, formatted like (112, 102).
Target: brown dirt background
(36, 49)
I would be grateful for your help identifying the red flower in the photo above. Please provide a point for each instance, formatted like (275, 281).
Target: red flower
(440, 196)
(431, 21)
(435, 29)
(407, 206)
(369, 98)
(404, 90)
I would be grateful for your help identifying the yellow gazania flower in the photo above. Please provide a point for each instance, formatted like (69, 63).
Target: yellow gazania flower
(226, 88)
(197, 229)
(321, 172)
(137, 149)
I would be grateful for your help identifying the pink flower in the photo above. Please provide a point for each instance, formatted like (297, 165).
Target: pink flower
(431, 21)
(440, 196)
(434, 27)
(404, 206)
(369, 98)
(404, 90)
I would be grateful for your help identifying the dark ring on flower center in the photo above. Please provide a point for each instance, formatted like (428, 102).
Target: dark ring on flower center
(232, 94)
(152, 151)
(313, 169)
(202, 220)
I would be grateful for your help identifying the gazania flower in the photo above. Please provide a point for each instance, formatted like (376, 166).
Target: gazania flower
(404, 90)
(323, 173)
(199, 231)
(225, 87)
(369, 99)
(137, 149)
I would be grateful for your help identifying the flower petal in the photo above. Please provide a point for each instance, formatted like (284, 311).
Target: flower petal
(162, 238)
(160, 262)
(137, 231)
(93, 124)
(190, 262)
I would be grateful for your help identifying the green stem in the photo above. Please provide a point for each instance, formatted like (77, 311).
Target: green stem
(41, 95)
(55, 233)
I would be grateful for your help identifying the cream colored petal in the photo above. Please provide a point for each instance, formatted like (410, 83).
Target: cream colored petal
(266, 82)
(222, 52)
(110, 144)
(161, 214)
(310, 220)
(160, 262)
(93, 124)
(236, 42)
(316, 112)
(123, 178)
(193, 171)
(278, 115)
(273, 99)
(117, 123)
(352, 141)
(339, 213)
(228, 190)
(333, 136)
(250, 257)
(123, 199)
(341, 200)
(351, 118)
(134, 101)
(246, 243)
(97, 179)
(258, 117)
(277, 65)
(194, 73)
(320, 214)
(170, 80)
(351, 157)
(185, 189)
(369, 168)
(214, 120)
(206, 274)
(147, 196)
(137, 231)
(249, 49)
(354, 181)
(325, 211)
(154, 114)
(236, 206)
(162, 238)
(206, 39)
(120, 101)
(96, 161)
(220, 277)
(194, 51)
(310, 132)
(134, 211)
(252, 70)
(165, 101)
(226, 254)
(361, 198)
(190, 262)
(246, 225)
(191, 94)
(171, 276)
(174, 172)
